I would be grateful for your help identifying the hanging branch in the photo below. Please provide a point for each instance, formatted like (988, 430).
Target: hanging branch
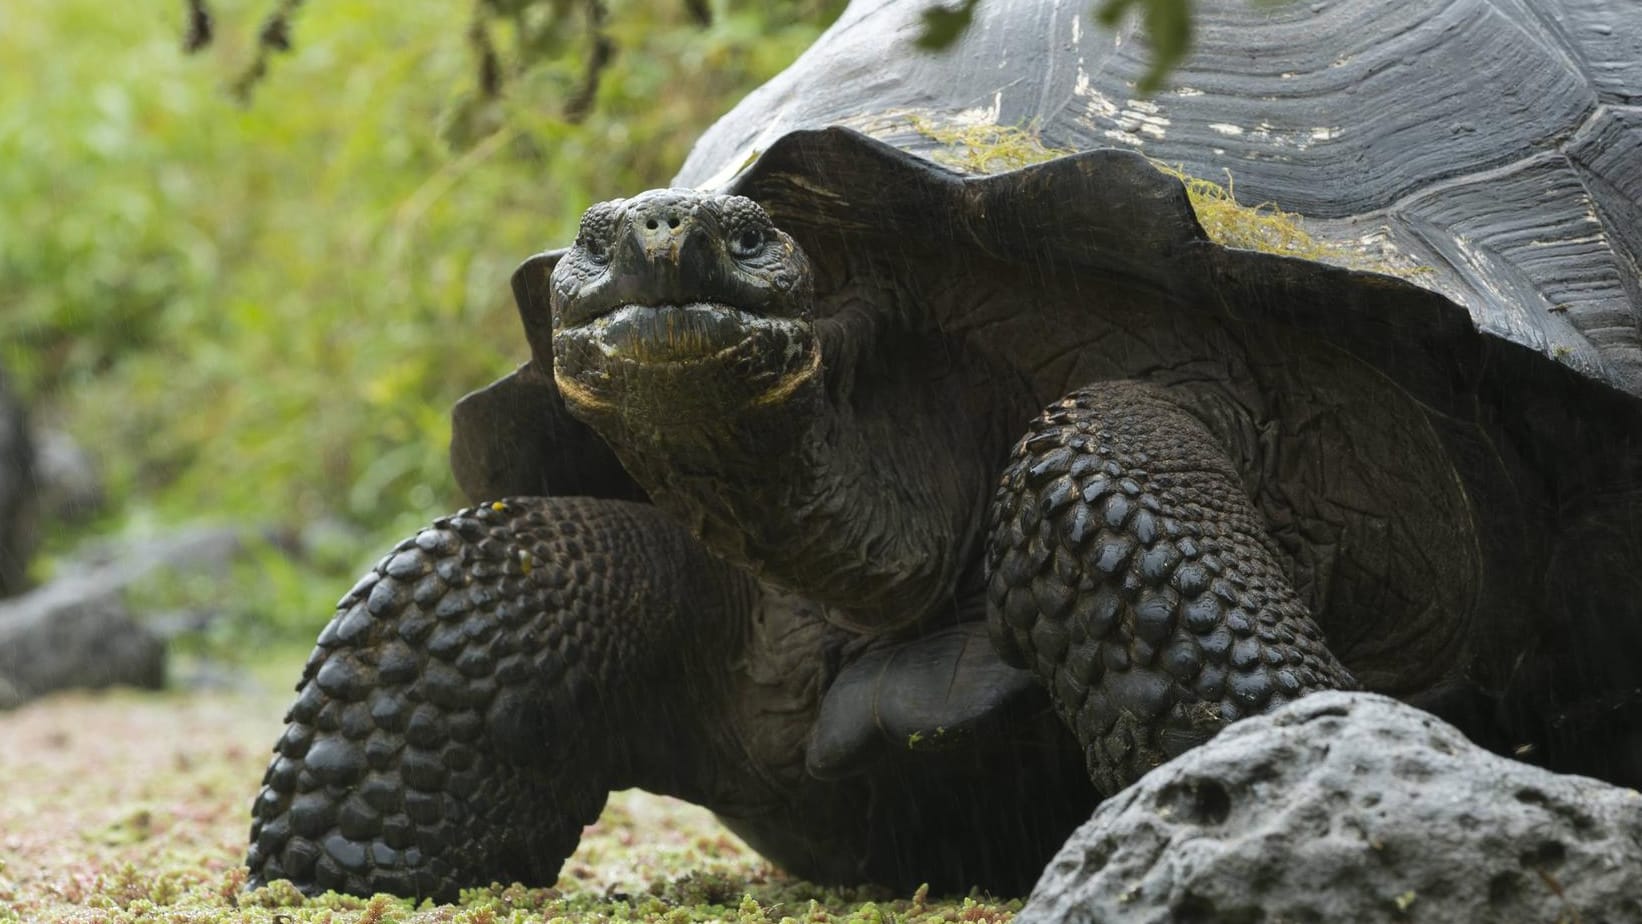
(273, 38)
(490, 64)
(599, 54)
(198, 33)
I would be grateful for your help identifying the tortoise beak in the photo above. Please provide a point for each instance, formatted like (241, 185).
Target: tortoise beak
(667, 249)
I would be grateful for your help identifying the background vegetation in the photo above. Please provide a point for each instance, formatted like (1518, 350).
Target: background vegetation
(260, 309)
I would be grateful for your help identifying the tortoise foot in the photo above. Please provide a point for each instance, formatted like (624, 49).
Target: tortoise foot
(474, 700)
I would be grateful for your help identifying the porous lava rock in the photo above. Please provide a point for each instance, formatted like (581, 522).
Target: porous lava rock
(1350, 807)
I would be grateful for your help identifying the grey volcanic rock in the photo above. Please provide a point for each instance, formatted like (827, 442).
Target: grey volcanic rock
(61, 636)
(1350, 807)
(17, 494)
(76, 632)
(70, 487)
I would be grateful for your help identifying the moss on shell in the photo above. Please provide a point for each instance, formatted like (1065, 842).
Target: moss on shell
(982, 147)
(1263, 227)
(986, 148)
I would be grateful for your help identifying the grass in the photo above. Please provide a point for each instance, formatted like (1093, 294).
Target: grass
(127, 808)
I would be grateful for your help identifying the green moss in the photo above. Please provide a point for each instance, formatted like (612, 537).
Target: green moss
(1263, 227)
(984, 148)
(111, 816)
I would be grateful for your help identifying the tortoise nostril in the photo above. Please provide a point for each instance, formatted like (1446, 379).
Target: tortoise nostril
(672, 221)
(652, 224)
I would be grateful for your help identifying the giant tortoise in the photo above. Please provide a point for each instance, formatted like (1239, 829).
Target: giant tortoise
(895, 512)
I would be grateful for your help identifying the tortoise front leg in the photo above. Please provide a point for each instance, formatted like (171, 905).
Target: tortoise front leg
(478, 695)
(1128, 568)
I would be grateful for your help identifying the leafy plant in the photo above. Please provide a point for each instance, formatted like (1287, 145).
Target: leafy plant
(1167, 26)
(263, 309)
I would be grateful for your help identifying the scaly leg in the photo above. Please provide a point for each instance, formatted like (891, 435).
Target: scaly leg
(1128, 568)
(478, 695)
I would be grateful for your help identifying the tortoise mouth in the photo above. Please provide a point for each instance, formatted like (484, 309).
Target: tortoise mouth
(683, 361)
(675, 333)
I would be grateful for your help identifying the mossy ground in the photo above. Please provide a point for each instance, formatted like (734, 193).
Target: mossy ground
(130, 807)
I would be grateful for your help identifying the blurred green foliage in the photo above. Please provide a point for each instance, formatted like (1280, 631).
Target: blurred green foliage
(262, 310)
(1166, 25)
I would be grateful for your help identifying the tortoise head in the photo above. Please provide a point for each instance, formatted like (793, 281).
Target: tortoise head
(676, 306)
(800, 428)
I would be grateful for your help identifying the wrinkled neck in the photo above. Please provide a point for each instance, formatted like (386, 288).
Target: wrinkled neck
(866, 492)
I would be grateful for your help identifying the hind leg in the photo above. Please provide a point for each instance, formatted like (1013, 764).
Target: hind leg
(1128, 569)
(478, 695)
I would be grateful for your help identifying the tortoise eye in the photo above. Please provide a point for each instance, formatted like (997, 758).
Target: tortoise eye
(593, 243)
(747, 242)
(593, 237)
(594, 247)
